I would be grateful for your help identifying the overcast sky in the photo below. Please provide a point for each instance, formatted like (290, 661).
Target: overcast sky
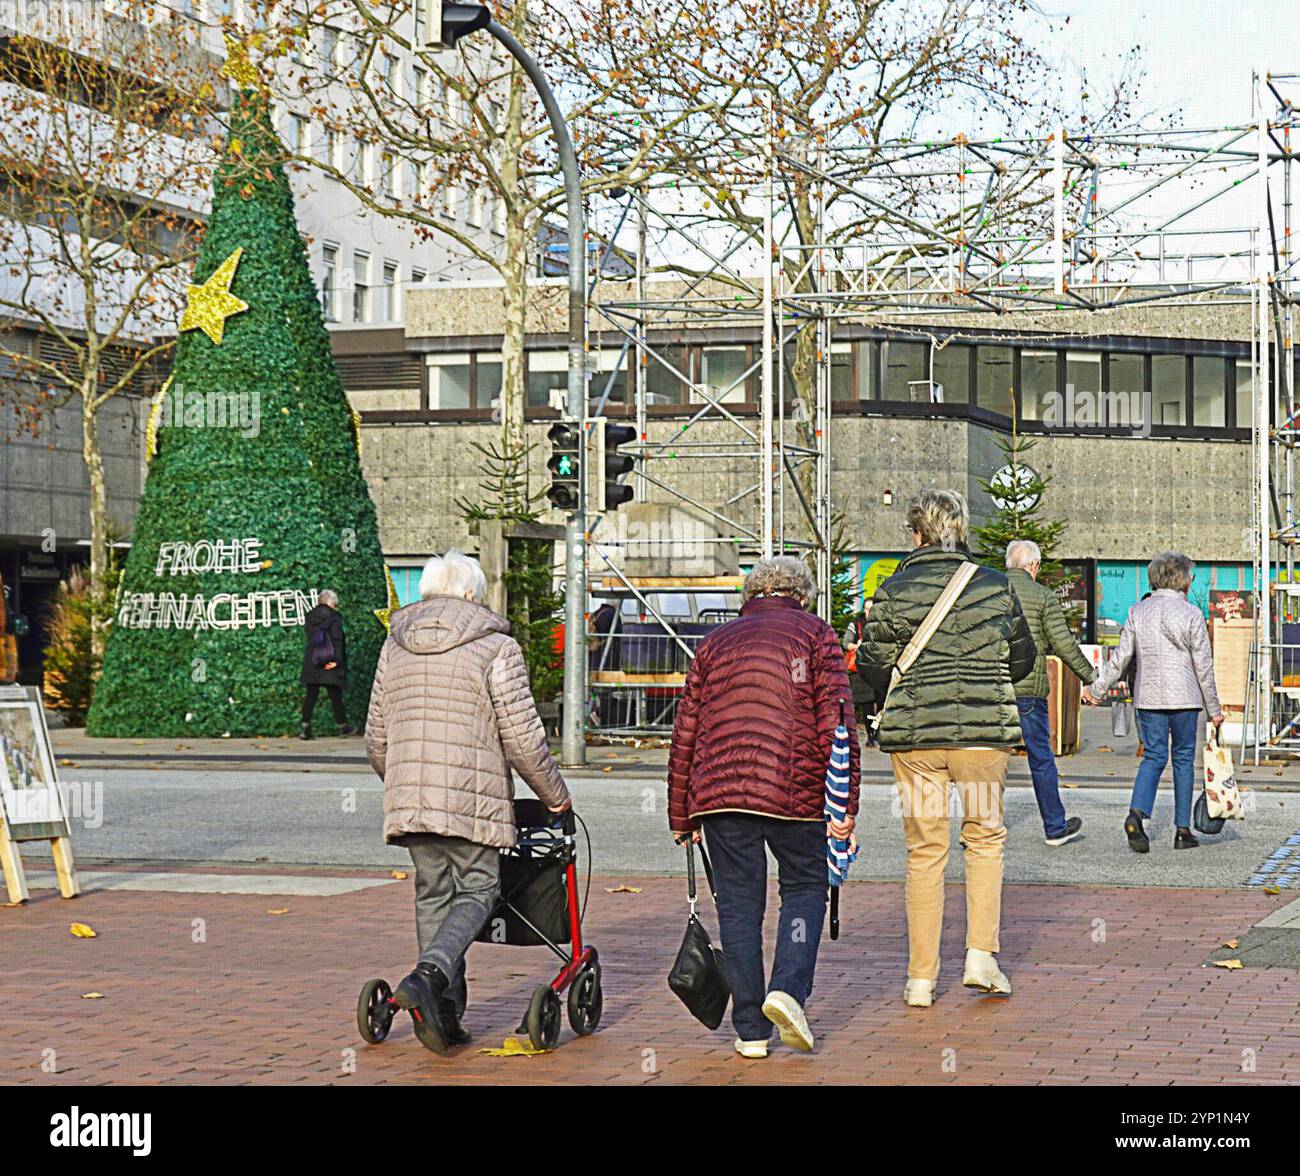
(1199, 54)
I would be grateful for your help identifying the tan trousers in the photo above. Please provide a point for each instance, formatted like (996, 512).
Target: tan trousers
(924, 781)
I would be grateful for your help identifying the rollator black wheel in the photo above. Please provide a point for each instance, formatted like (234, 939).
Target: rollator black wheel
(374, 1013)
(586, 1000)
(543, 1018)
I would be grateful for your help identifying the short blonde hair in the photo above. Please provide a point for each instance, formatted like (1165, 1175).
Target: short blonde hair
(453, 574)
(782, 575)
(939, 517)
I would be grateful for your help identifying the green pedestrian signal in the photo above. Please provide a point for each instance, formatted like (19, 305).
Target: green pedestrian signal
(565, 492)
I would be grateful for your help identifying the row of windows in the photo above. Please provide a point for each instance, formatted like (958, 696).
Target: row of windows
(353, 292)
(1052, 387)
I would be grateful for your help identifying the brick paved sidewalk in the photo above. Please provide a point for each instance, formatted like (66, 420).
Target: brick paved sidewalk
(270, 998)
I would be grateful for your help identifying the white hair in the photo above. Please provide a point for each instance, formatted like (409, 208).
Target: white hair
(782, 575)
(453, 574)
(328, 596)
(1023, 553)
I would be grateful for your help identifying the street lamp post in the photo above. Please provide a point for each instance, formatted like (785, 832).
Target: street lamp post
(457, 20)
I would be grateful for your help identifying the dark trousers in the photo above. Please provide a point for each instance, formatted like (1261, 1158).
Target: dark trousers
(336, 701)
(737, 844)
(1036, 731)
(457, 885)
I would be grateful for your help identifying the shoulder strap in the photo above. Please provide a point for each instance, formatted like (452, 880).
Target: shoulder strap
(936, 616)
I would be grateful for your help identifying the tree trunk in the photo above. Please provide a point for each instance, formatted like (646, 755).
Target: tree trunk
(514, 270)
(94, 462)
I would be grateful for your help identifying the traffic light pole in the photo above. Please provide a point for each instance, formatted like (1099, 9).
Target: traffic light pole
(573, 743)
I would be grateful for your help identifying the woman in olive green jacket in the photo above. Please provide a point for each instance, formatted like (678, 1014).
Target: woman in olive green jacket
(950, 720)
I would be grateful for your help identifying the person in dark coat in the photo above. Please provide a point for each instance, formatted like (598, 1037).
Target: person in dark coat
(864, 694)
(750, 747)
(325, 663)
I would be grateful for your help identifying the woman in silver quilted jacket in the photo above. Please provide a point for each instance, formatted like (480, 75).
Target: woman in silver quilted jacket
(1166, 635)
(451, 715)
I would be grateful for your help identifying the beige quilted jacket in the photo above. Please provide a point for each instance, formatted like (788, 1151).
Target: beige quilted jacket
(451, 713)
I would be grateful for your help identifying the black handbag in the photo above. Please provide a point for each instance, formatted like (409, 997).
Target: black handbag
(1202, 820)
(697, 976)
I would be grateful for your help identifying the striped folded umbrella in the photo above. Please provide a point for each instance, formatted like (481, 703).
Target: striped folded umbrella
(840, 852)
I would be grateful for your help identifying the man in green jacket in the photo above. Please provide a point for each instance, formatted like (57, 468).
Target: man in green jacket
(1051, 635)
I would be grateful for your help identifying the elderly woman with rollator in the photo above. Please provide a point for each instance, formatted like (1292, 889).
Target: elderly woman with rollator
(750, 749)
(451, 716)
(945, 643)
(1165, 633)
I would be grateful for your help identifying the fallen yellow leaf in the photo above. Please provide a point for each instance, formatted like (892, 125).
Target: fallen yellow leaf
(399, 874)
(281, 911)
(92, 996)
(1233, 944)
(81, 931)
(607, 769)
(1231, 965)
(1271, 889)
(622, 890)
(514, 1047)
(1069, 786)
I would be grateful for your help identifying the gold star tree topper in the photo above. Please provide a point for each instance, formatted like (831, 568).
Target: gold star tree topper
(238, 68)
(210, 304)
(393, 603)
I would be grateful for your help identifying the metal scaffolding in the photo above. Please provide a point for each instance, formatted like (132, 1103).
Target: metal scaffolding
(951, 232)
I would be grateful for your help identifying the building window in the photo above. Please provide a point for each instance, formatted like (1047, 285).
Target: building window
(1126, 392)
(1038, 395)
(1245, 380)
(865, 358)
(951, 374)
(450, 382)
(388, 175)
(488, 370)
(995, 374)
(841, 372)
(1083, 406)
(392, 291)
(361, 164)
(1168, 390)
(1209, 393)
(420, 87)
(722, 372)
(360, 287)
(450, 200)
(667, 373)
(548, 372)
(329, 46)
(329, 301)
(475, 214)
(297, 132)
(906, 371)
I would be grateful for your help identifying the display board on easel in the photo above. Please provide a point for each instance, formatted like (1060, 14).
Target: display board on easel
(31, 805)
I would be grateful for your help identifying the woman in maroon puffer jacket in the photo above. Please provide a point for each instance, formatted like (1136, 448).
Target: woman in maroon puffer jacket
(753, 735)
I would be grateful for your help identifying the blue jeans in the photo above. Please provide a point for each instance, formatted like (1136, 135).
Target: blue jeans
(736, 845)
(1160, 728)
(1037, 734)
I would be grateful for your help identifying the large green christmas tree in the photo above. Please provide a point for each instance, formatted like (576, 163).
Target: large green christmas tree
(255, 499)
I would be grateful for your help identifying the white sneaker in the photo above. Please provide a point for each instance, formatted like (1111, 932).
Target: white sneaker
(918, 993)
(785, 1013)
(983, 973)
(751, 1049)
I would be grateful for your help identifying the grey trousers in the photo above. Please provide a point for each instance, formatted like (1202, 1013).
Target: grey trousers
(457, 885)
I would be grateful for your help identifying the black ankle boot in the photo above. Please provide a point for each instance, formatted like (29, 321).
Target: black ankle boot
(304, 731)
(419, 993)
(1183, 839)
(453, 1032)
(1138, 841)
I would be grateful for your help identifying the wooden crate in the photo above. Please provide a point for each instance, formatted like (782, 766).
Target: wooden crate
(1064, 702)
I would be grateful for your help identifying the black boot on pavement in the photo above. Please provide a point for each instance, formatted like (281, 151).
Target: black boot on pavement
(347, 729)
(453, 1032)
(419, 993)
(1184, 839)
(304, 731)
(1138, 841)
(1072, 827)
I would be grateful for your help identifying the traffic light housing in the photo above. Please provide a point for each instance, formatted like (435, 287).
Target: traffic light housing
(609, 465)
(565, 492)
(446, 23)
